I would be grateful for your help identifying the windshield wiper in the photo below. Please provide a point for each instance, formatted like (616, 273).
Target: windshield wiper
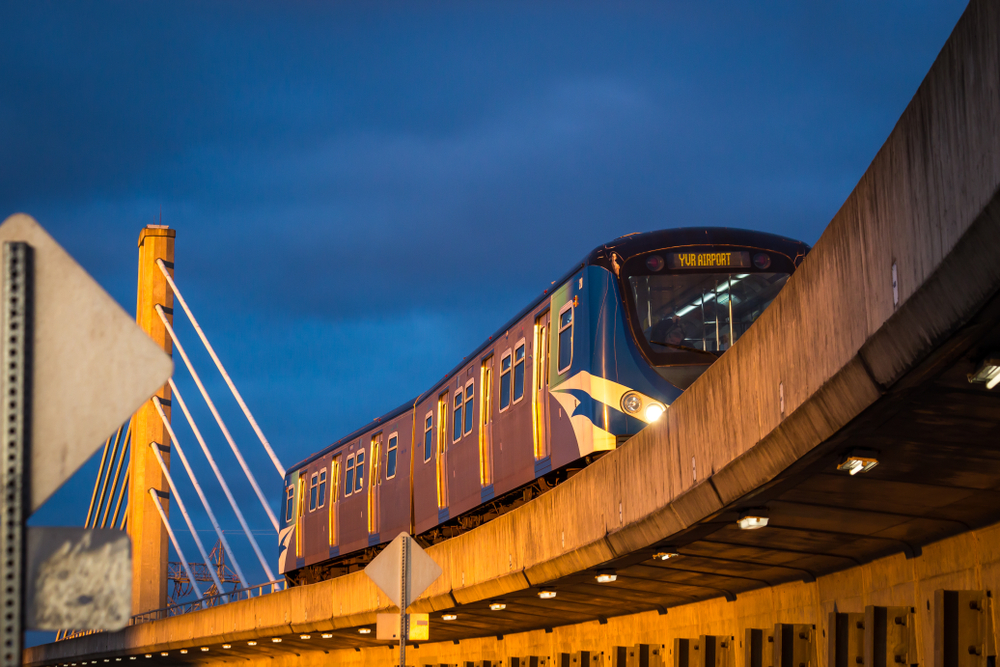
(685, 348)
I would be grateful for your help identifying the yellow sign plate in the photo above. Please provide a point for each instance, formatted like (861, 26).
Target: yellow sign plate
(387, 627)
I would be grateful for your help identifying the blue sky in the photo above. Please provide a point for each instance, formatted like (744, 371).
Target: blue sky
(363, 192)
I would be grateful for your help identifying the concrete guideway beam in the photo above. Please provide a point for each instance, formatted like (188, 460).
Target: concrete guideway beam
(834, 342)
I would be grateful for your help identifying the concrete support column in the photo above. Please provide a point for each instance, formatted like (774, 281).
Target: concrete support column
(149, 538)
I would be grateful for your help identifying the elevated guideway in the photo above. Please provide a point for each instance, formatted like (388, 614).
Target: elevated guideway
(868, 347)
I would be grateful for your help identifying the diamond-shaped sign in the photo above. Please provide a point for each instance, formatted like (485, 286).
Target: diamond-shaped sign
(92, 365)
(389, 571)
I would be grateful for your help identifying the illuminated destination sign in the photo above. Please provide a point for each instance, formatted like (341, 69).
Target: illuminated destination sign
(709, 260)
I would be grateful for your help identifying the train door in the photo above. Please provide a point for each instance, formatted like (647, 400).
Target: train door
(442, 451)
(486, 422)
(540, 378)
(374, 483)
(334, 501)
(300, 528)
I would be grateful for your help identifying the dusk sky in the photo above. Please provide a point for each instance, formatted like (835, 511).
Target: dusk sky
(364, 192)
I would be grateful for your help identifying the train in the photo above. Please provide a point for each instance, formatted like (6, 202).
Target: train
(586, 365)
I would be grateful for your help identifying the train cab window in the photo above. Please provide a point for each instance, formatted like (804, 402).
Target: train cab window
(686, 318)
(505, 363)
(359, 471)
(428, 436)
(349, 482)
(313, 488)
(322, 488)
(289, 503)
(565, 337)
(457, 431)
(519, 372)
(390, 457)
(470, 391)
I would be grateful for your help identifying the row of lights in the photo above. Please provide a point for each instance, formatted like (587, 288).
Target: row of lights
(603, 577)
(183, 651)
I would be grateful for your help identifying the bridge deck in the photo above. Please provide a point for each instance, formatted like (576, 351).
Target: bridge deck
(854, 368)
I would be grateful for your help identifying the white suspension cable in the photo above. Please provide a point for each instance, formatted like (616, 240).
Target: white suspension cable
(173, 540)
(222, 482)
(201, 494)
(218, 364)
(187, 518)
(218, 417)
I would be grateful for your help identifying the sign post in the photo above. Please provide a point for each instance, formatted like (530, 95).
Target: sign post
(15, 444)
(403, 571)
(404, 602)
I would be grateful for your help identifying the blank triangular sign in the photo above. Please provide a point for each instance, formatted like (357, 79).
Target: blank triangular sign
(93, 366)
(387, 570)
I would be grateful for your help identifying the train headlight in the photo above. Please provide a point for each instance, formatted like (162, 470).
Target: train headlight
(631, 403)
(653, 412)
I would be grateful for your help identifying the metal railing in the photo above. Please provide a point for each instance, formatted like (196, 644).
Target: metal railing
(209, 601)
(194, 605)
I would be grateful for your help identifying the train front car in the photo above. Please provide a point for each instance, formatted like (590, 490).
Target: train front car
(658, 309)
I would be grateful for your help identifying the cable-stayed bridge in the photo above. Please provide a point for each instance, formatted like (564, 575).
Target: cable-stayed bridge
(869, 348)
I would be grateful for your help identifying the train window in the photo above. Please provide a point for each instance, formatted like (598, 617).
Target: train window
(289, 503)
(359, 470)
(505, 381)
(335, 480)
(457, 431)
(390, 457)
(322, 488)
(519, 372)
(428, 436)
(349, 483)
(300, 502)
(374, 480)
(565, 337)
(334, 497)
(470, 391)
(313, 487)
(688, 319)
(485, 429)
(442, 450)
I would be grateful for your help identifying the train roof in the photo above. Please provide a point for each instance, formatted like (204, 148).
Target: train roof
(634, 244)
(625, 246)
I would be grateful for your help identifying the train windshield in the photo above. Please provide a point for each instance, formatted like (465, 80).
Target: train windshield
(689, 319)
